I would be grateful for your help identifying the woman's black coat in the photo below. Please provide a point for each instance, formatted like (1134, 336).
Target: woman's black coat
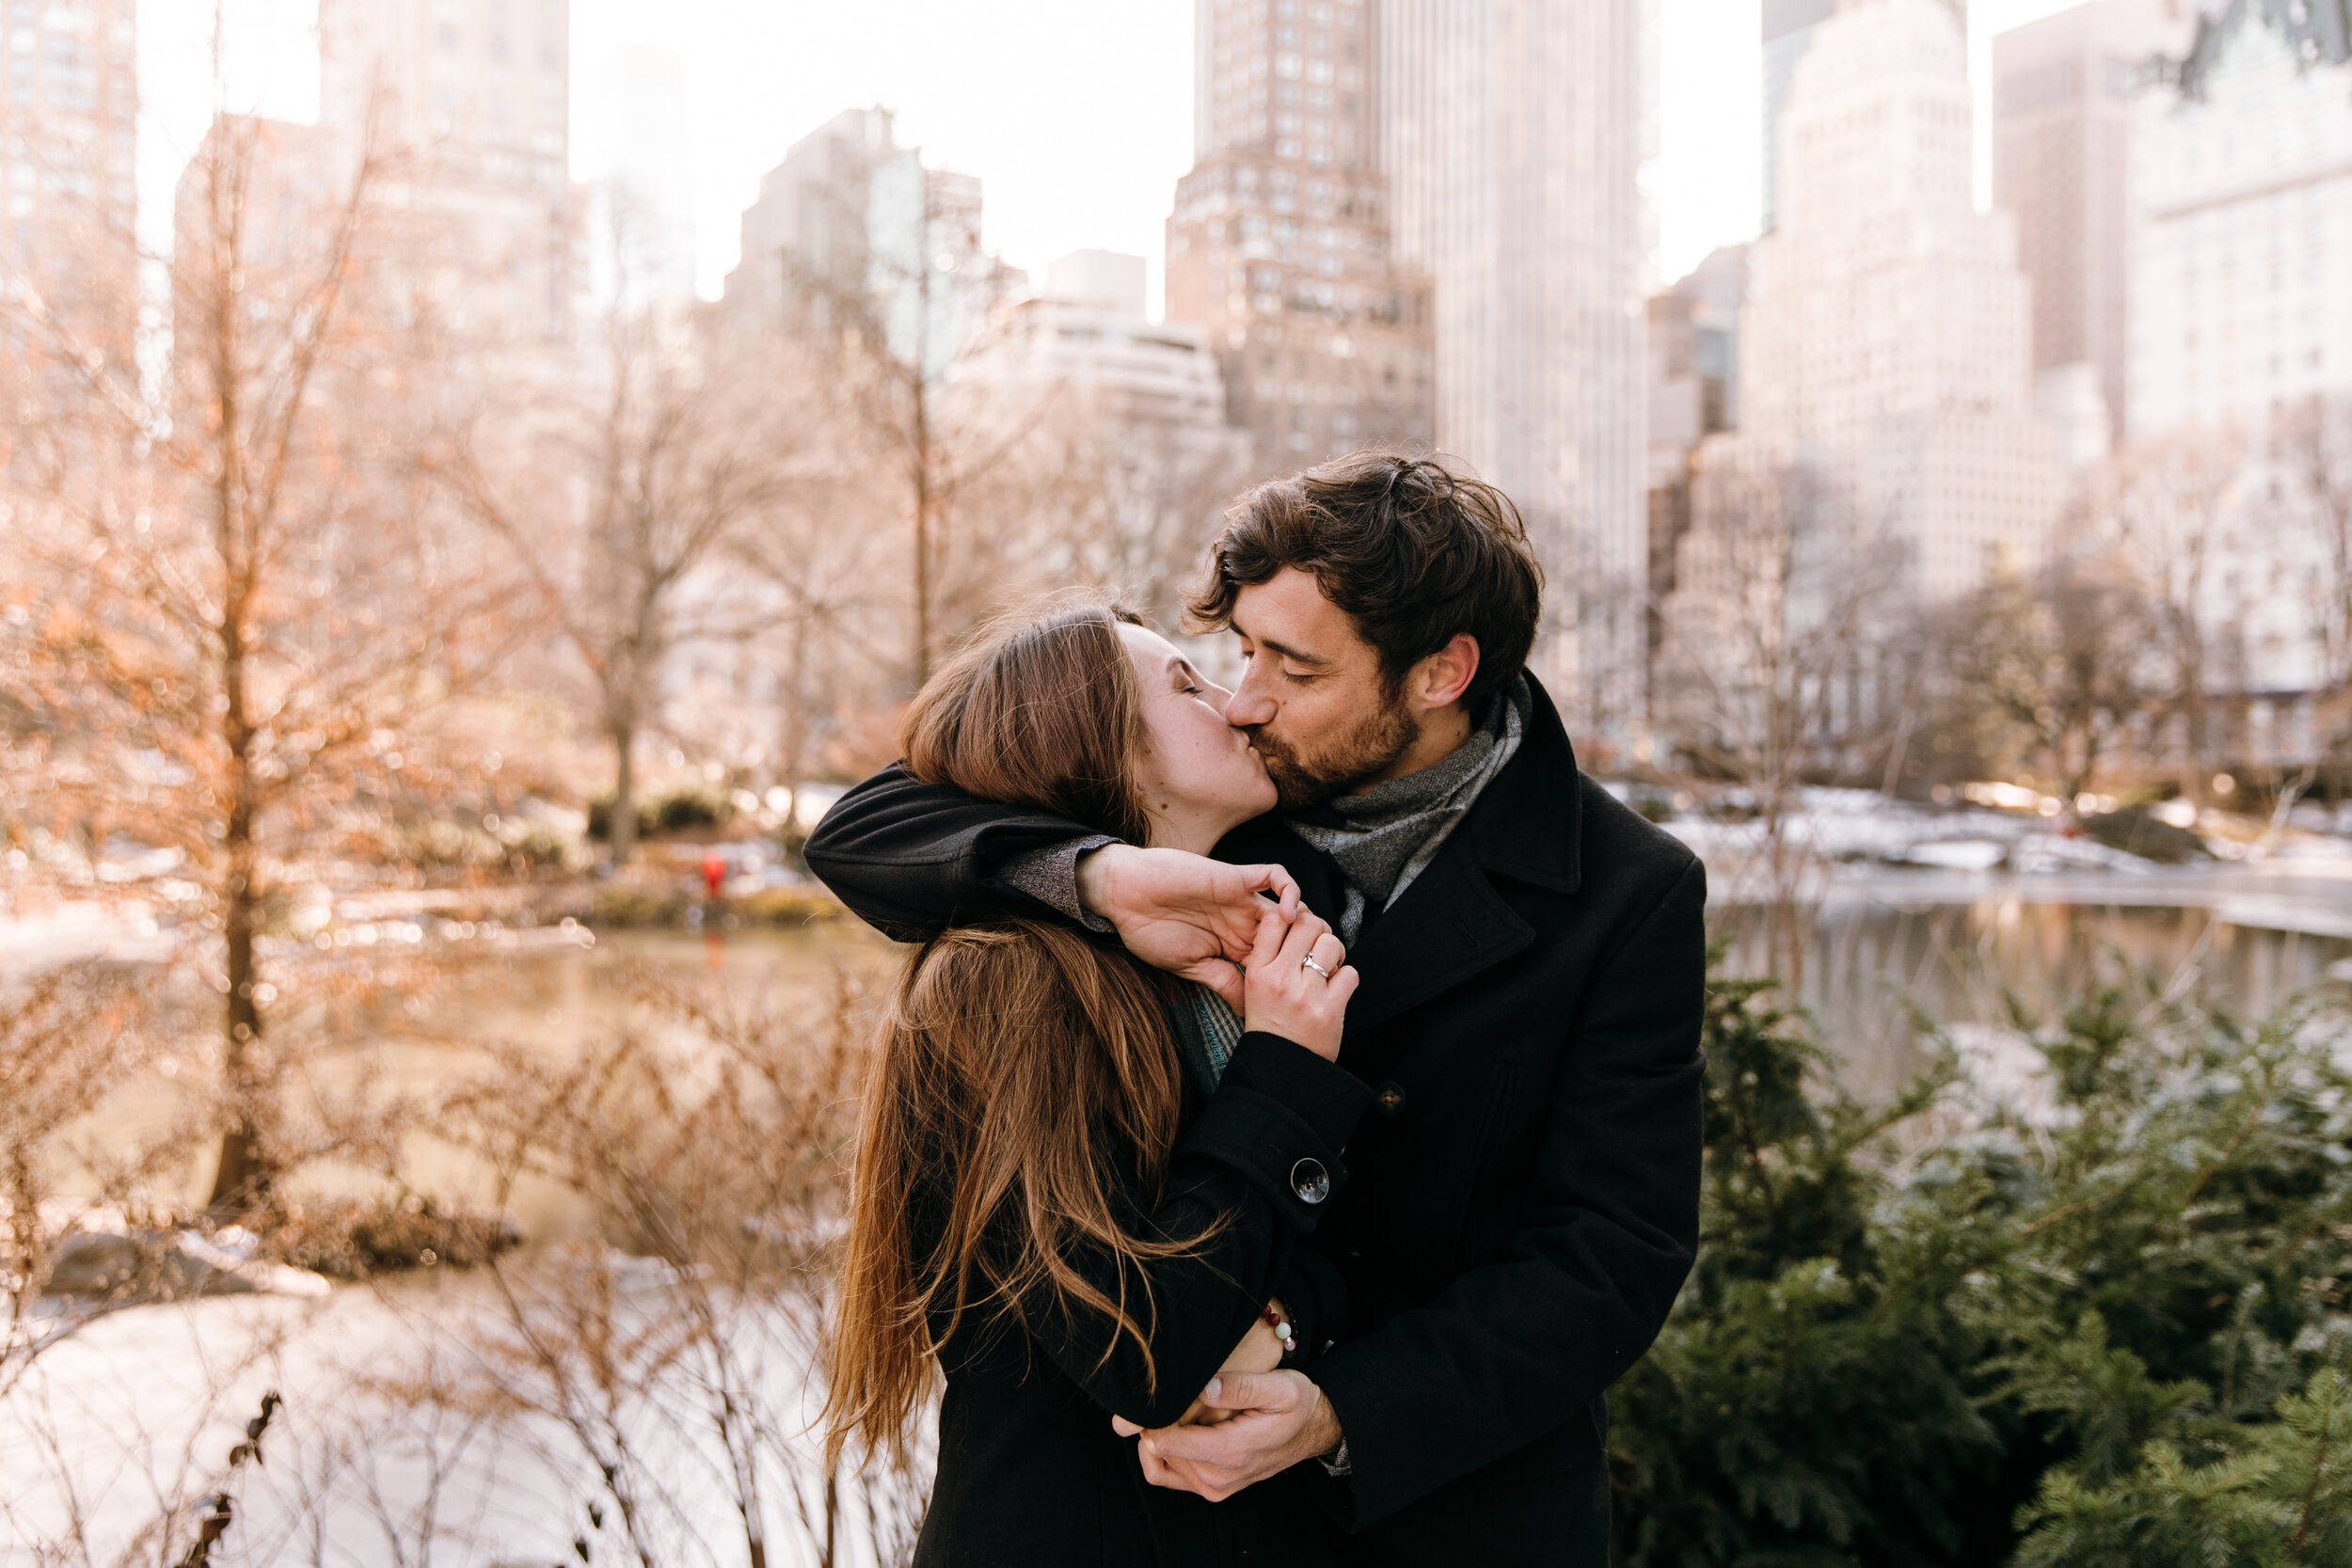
(1031, 1473)
(1525, 1196)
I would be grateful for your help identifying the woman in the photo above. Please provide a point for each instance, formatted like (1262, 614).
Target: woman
(1068, 1197)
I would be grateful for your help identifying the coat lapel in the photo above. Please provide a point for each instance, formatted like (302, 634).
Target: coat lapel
(1453, 924)
(1449, 926)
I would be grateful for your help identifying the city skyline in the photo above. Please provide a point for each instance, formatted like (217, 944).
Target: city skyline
(972, 103)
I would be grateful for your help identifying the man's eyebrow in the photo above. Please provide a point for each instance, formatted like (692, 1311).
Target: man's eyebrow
(1296, 655)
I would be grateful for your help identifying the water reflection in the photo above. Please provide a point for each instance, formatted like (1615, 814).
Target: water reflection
(1873, 960)
(1876, 954)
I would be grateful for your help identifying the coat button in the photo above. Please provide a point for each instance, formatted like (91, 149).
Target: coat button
(1388, 1100)
(1309, 1180)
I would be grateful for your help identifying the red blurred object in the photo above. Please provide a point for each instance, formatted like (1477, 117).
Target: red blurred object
(714, 872)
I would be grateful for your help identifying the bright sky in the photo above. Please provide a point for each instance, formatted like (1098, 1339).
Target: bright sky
(1076, 114)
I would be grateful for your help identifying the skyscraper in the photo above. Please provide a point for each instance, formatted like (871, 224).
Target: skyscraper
(1511, 134)
(852, 227)
(1278, 241)
(1690, 353)
(1884, 345)
(474, 101)
(2061, 121)
(68, 105)
(2242, 220)
(1789, 29)
(1787, 33)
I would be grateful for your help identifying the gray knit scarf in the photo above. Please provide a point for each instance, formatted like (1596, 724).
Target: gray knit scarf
(1387, 836)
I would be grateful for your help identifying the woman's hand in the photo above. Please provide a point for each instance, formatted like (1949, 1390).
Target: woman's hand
(1184, 912)
(1283, 995)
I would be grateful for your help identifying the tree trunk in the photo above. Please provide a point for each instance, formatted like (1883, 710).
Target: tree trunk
(924, 482)
(240, 1183)
(621, 826)
(2195, 779)
(922, 525)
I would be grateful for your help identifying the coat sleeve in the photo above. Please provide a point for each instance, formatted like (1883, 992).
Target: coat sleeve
(1280, 1112)
(1508, 1352)
(912, 858)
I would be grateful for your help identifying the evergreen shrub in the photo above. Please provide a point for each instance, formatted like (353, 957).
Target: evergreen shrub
(2107, 1327)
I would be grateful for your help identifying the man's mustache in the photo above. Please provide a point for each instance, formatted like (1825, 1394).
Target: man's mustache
(1268, 748)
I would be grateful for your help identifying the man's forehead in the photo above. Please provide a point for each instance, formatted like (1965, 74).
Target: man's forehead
(1288, 612)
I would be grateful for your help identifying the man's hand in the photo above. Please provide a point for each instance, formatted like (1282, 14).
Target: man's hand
(1182, 912)
(1277, 1418)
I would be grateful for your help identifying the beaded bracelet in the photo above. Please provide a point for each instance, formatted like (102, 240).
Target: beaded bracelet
(1282, 1329)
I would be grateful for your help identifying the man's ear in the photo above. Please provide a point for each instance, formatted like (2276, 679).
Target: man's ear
(1440, 680)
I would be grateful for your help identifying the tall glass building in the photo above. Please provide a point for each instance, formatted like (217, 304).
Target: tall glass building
(1511, 133)
(1787, 33)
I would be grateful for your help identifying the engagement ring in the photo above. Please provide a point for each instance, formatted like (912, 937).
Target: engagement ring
(1309, 962)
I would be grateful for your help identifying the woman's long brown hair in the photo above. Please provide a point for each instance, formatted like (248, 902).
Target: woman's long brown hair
(1025, 1075)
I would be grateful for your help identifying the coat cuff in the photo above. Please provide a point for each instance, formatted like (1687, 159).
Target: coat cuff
(1050, 876)
(1279, 1118)
(1311, 1287)
(1331, 1098)
(1380, 1476)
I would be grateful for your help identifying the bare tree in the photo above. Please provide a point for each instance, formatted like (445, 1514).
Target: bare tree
(2313, 443)
(625, 507)
(1764, 676)
(250, 616)
(2050, 671)
(2166, 505)
(892, 307)
(1085, 489)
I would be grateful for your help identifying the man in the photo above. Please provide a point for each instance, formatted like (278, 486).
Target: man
(1523, 1205)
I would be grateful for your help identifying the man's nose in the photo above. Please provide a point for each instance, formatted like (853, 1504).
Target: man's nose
(1249, 705)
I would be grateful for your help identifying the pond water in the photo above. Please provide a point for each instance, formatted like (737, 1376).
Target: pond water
(1873, 963)
(1952, 947)
(422, 1020)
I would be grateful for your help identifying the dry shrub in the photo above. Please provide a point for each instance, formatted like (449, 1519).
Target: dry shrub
(67, 1041)
(672, 1362)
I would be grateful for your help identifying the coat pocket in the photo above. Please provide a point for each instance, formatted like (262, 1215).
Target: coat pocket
(1480, 1155)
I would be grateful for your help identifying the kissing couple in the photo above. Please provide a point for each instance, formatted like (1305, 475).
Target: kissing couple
(1287, 1126)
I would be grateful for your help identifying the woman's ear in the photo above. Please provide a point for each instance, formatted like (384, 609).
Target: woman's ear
(1440, 680)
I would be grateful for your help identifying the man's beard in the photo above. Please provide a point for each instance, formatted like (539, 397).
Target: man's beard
(1369, 748)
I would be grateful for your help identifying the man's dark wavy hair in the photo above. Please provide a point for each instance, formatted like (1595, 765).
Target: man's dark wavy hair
(1413, 549)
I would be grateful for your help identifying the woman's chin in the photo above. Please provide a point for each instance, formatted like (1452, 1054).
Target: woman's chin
(1247, 805)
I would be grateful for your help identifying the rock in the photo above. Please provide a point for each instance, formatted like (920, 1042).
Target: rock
(356, 1237)
(2137, 831)
(84, 1265)
(140, 1265)
(143, 1265)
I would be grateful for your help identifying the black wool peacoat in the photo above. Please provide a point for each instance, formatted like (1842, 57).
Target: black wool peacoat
(1524, 1196)
(1030, 1474)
